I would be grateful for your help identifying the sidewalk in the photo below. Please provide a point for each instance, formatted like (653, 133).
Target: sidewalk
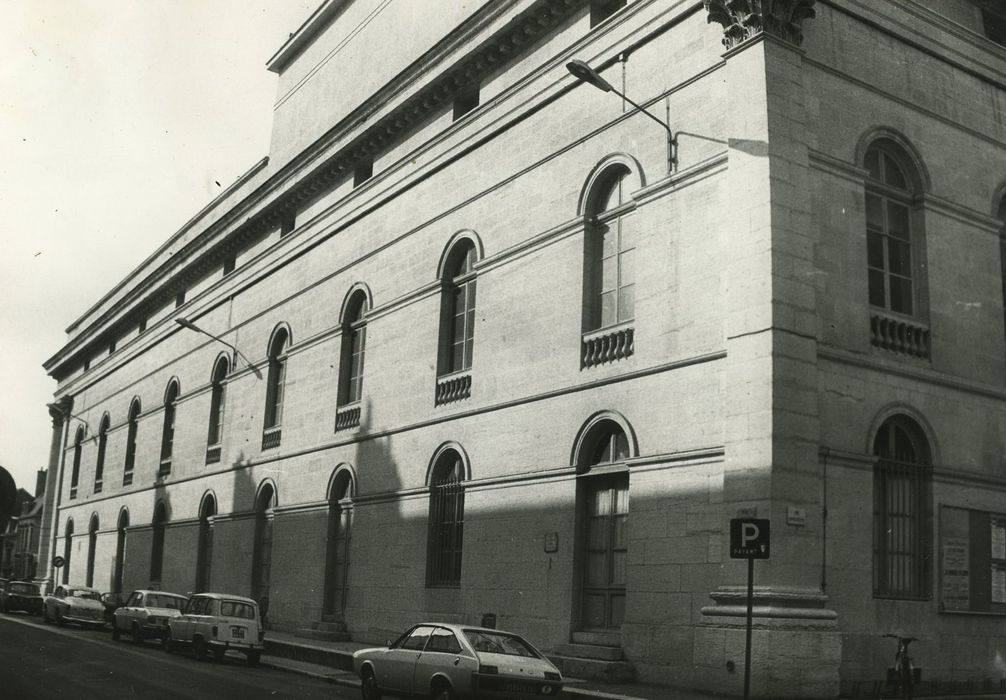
(332, 661)
(340, 674)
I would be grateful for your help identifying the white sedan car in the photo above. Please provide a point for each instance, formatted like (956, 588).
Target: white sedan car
(447, 661)
(78, 604)
(145, 615)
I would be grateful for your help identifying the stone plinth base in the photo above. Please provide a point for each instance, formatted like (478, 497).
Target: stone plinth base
(796, 648)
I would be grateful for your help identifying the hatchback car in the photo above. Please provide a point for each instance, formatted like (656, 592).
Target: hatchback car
(215, 623)
(79, 604)
(446, 661)
(145, 615)
(21, 595)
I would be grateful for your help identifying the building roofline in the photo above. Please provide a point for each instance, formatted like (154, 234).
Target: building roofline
(299, 39)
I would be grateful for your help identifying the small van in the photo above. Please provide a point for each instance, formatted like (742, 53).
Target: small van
(214, 623)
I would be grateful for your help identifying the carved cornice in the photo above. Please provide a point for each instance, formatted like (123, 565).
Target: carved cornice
(746, 19)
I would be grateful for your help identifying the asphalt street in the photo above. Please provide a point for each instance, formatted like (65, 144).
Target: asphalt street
(44, 661)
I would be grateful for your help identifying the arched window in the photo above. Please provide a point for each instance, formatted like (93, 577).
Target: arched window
(78, 447)
(354, 343)
(132, 425)
(340, 519)
(446, 521)
(92, 545)
(611, 254)
(218, 402)
(889, 231)
(120, 550)
(275, 385)
(67, 549)
(168, 436)
(262, 548)
(157, 544)
(204, 554)
(1001, 213)
(99, 466)
(457, 335)
(609, 274)
(902, 480)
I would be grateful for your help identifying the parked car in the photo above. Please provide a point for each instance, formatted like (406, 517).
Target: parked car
(79, 604)
(446, 661)
(145, 615)
(21, 595)
(215, 623)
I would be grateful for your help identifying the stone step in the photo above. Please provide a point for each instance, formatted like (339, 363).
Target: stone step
(594, 669)
(322, 634)
(333, 658)
(590, 651)
(329, 626)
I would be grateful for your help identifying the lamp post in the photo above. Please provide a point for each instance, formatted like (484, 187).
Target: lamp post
(185, 323)
(584, 73)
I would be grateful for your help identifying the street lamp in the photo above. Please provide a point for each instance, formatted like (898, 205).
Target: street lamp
(584, 73)
(185, 323)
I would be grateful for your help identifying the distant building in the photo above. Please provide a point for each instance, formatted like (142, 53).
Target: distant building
(20, 538)
(796, 314)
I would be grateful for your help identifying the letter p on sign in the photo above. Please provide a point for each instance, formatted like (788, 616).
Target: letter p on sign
(749, 538)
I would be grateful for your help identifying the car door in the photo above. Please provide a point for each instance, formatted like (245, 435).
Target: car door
(397, 666)
(443, 654)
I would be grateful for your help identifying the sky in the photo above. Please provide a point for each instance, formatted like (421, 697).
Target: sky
(118, 119)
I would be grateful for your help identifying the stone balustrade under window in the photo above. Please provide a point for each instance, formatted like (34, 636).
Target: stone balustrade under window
(347, 416)
(271, 438)
(453, 387)
(607, 345)
(900, 335)
(213, 454)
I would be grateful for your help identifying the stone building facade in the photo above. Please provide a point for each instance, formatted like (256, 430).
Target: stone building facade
(469, 341)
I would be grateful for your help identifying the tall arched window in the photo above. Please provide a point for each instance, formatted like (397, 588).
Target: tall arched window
(262, 548)
(78, 447)
(120, 550)
(446, 521)
(168, 435)
(457, 323)
(609, 285)
(1002, 253)
(354, 343)
(340, 519)
(67, 549)
(132, 426)
(902, 480)
(275, 387)
(99, 466)
(157, 543)
(204, 554)
(92, 545)
(895, 249)
(218, 403)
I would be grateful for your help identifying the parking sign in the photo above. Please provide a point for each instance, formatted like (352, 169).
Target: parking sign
(749, 538)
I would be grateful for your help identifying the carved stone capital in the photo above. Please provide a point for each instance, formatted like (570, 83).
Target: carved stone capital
(60, 411)
(746, 19)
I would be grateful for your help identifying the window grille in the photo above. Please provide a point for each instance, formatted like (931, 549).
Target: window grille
(446, 535)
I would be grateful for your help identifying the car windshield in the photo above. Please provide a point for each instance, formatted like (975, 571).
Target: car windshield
(85, 594)
(174, 602)
(233, 608)
(499, 643)
(23, 588)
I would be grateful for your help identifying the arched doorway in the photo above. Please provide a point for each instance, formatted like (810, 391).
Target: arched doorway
(340, 519)
(262, 554)
(603, 519)
(204, 554)
(120, 550)
(92, 544)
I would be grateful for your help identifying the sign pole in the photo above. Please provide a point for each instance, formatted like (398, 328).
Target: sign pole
(747, 644)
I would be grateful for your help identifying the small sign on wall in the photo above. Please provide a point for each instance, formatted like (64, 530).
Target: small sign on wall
(551, 542)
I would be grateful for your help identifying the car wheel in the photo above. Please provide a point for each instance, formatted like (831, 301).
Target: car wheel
(368, 687)
(59, 618)
(137, 634)
(253, 657)
(116, 635)
(199, 649)
(442, 692)
(218, 653)
(169, 645)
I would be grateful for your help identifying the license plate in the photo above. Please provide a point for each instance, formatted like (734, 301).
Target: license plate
(238, 632)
